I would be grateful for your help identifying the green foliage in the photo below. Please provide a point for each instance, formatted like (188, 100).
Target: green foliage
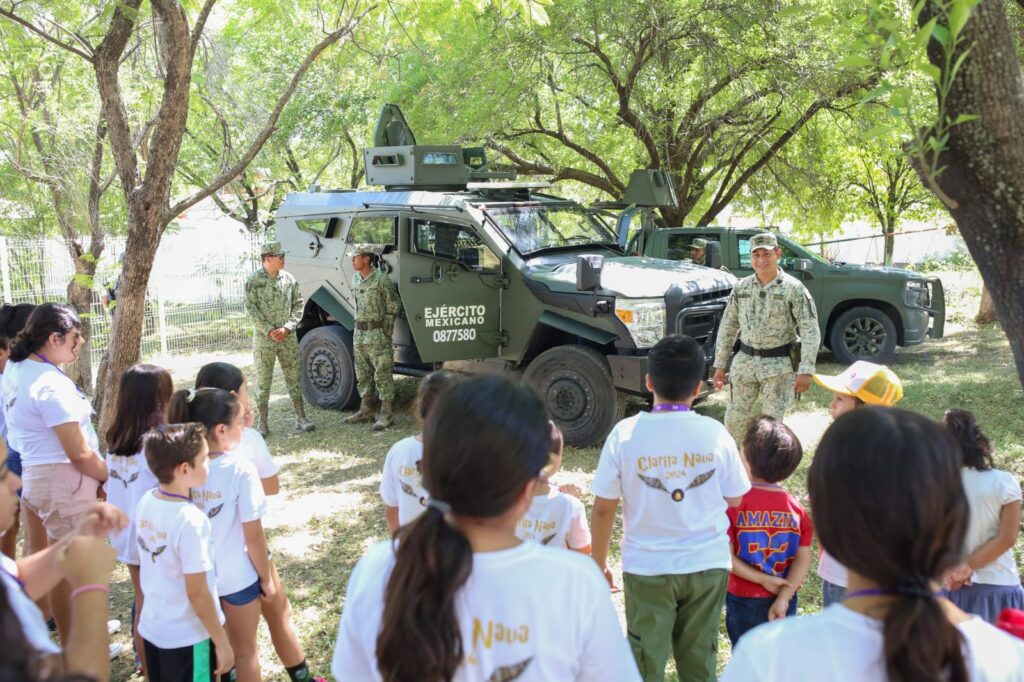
(958, 261)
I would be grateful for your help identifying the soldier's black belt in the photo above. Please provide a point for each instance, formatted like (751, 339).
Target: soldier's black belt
(777, 352)
(366, 326)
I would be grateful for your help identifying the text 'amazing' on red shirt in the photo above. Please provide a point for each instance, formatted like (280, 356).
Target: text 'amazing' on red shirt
(765, 531)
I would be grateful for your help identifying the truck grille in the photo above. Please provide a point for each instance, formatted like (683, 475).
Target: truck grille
(696, 315)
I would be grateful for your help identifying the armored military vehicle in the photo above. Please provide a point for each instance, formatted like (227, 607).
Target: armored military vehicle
(864, 311)
(494, 276)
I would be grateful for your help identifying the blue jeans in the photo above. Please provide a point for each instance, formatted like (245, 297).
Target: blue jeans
(14, 463)
(831, 594)
(746, 613)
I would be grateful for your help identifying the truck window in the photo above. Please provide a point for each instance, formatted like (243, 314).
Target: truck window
(682, 247)
(788, 256)
(453, 242)
(321, 227)
(377, 229)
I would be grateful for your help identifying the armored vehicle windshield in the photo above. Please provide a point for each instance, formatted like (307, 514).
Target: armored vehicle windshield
(542, 227)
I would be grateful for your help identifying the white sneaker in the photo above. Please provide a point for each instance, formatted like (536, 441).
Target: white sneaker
(115, 649)
(113, 626)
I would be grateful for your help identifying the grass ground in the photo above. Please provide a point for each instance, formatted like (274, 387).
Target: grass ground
(329, 511)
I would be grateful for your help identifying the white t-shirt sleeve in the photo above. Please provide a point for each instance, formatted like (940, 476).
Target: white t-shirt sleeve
(265, 464)
(389, 484)
(735, 481)
(58, 402)
(607, 481)
(578, 536)
(1010, 488)
(252, 503)
(606, 654)
(353, 658)
(194, 544)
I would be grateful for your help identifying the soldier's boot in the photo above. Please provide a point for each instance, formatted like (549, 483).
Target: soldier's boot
(262, 423)
(364, 414)
(302, 424)
(385, 417)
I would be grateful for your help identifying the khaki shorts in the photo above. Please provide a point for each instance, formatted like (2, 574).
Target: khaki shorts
(59, 494)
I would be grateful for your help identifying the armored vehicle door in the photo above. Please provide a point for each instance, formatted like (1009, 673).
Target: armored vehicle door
(451, 283)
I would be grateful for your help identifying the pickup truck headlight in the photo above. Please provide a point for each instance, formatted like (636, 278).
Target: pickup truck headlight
(917, 294)
(643, 317)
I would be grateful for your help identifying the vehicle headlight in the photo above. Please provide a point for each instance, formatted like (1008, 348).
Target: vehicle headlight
(643, 317)
(917, 293)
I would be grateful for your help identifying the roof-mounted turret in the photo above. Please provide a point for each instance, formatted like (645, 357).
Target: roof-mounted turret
(397, 162)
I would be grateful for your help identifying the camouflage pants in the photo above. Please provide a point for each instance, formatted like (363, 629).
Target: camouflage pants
(265, 353)
(757, 380)
(375, 362)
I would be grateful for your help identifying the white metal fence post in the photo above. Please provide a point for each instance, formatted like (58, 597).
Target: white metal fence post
(163, 319)
(5, 270)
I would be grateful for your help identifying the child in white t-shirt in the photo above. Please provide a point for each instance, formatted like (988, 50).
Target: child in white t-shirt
(457, 596)
(181, 620)
(141, 405)
(988, 580)
(233, 500)
(862, 383)
(888, 503)
(676, 473)
(401, 485)
(277, 610)
(555, 518)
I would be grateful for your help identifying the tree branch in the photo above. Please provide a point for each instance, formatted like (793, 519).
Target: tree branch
(197, 30)
(271, 123)
(44, 35)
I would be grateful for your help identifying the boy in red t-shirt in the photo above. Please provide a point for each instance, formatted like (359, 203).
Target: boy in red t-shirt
(770, 533)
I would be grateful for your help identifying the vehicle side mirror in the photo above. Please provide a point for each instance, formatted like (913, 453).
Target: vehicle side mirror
(803, 264)
(713, 255)
(588, 272)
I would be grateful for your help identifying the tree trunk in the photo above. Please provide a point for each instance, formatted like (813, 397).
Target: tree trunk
(80, 298)
(890, 243)
(983, 180)
(987, 308)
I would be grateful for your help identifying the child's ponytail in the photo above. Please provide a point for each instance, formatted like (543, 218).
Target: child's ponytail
(483, 442)
(208, 406)
(889, 504)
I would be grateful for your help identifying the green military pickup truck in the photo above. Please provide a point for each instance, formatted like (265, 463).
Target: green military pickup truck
(864, 311)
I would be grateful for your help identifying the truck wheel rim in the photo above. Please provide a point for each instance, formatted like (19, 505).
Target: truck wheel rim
(567, 399)
(864, 337)
(322, 370)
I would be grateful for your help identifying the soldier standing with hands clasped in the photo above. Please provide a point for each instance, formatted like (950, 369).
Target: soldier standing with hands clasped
(376, 308)
(274, 304)
(774, 317)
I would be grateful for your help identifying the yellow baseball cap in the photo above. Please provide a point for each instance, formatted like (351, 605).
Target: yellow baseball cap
(874, 384)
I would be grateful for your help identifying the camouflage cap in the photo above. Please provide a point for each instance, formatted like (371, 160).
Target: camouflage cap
(699, 243)
(365, 250)
(272, 249)
(765, 240)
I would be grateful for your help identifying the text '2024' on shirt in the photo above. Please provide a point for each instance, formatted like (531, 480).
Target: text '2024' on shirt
(672, 471)
(530, 613)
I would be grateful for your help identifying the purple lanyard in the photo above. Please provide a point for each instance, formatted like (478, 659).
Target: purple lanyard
(888, 593)
(180, 497)
(47, 361)
(671, 407)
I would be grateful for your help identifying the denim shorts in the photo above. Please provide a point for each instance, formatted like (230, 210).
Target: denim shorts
(14, 463)
(244, 596)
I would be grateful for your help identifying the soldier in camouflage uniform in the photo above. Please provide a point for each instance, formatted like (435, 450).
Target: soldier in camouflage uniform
(376, 307)
(698, 250)
(774, 316)
(274, 304)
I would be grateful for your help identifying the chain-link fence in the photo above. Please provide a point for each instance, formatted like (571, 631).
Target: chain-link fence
(194, 299)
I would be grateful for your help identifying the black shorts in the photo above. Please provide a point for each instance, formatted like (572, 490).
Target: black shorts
(194, 663)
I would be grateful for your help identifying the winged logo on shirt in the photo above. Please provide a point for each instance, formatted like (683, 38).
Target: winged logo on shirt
(506, 673)
(215, 510)
(407, 489)
(678, 494)
(153, 553)
(131, 479)
(548, 539)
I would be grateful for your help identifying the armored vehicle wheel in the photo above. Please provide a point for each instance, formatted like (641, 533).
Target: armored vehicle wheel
(576, 386)
(328, 371)
(863, 333)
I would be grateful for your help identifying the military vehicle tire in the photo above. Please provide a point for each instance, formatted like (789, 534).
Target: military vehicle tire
(863, 333)
(576, 386)
(328, 370)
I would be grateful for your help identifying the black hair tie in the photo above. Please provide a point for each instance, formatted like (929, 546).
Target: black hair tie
(916, 586)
